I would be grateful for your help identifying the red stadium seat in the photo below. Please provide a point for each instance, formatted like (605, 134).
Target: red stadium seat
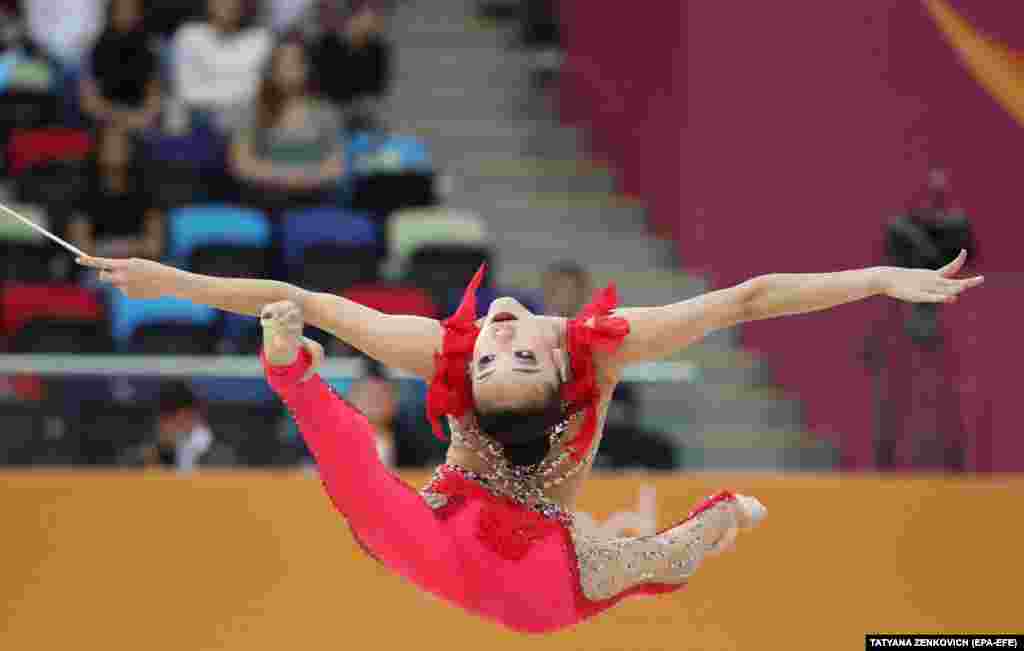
(393, 299)
(20, 304)
(27, 148)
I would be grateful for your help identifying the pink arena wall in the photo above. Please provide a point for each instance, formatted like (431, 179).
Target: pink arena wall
(771, 137)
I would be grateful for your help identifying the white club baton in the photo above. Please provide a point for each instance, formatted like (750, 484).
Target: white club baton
(36, 227)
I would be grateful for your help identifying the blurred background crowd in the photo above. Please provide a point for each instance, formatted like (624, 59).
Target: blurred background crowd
(310, 141)
(238, 138)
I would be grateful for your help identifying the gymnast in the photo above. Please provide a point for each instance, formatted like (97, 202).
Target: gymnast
(524, 397)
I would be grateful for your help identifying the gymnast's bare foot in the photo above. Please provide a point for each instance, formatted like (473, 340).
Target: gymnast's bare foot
(747, 512)
(282, 335)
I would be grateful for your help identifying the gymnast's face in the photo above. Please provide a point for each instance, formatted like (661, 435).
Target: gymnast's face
(516, 359)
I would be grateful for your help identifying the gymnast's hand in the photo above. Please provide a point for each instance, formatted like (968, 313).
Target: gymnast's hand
(926, 285)
(136, 277)
(282, 336)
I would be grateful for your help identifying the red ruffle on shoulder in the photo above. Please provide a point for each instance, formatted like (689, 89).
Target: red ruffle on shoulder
(450, 392)
(594, 329)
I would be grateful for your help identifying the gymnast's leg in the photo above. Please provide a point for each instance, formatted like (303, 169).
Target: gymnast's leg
(670, 557)
(387, 514)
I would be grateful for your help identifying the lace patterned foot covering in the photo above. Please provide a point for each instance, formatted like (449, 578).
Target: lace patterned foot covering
(609, 567)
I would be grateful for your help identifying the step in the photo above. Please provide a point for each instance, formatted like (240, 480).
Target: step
(558, 216)
(483, 128)
(411, 111)
(637, 287)
(541, 249)
(511, 177)
(465, 180)
(459, 152)
(425, 95)
(821, 457)
(458, 59)
(467, 33)
(700, 407)
(439, 12)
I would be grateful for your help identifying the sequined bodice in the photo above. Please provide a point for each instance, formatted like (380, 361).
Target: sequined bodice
(606, 567)
(522, 483)
(512, 508)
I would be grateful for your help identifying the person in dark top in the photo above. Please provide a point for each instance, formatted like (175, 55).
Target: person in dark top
(183, 441)
(933, 230)
(402, 433)
(117, 214)
(122, 86)
(352, 62)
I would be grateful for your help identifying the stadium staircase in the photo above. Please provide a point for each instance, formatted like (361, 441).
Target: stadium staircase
(463, 85)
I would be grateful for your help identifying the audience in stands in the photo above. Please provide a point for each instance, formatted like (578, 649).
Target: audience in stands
(291, 143)
(404, 438)
(64, 29)
(117, 216)
(122, 86)
(218, 62)
(352, 61)
(285, 144)
(183, 440)
(377, 399)
(567, 289)
(540, 33)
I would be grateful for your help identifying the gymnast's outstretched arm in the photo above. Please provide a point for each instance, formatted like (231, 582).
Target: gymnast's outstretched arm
(657, 332)
(404, 342)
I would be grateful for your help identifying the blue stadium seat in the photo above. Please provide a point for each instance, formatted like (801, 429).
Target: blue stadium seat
(199, 148)
(127, 315)
(234, 390)
(208, 224)
(325, 225)
(487, 295)
(370, 153)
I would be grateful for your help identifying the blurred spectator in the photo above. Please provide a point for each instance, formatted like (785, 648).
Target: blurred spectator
(400, 443)
(352, 62)
(566, 288)
(291, 142)
(117, 216)
(182, 439)
(123, 85)
(930, 235)
(404, 438)
(934, 229)
(165, 18)
(217, 63)
(541, 35)
(63, 28)
(285, 15)
(377, 399)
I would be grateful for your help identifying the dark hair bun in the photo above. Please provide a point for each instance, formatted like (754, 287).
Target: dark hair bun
(523, 432)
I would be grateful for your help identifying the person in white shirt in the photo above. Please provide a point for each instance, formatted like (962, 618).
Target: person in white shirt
(65, 29)
(218, 63)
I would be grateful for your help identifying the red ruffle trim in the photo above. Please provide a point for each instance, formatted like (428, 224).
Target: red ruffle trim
(450, 392)
(594, 329)
(505, 527)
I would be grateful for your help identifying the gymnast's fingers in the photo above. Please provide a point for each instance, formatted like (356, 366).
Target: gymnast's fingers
(101, 263)
(953, 268)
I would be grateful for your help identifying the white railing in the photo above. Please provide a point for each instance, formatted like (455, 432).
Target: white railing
(248, 366)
